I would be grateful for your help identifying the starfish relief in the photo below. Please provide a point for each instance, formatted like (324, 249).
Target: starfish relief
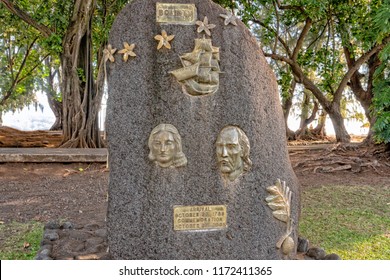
(127, 51)
(164, 39)
(205, 26)
(109, 53)
(229, 18)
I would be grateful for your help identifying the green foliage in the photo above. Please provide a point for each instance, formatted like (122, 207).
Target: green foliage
(23, 50)
(24, 242)
(81, 74)
(105, 15)
(228, 4)
(20, 79)
(53, 44)
(382, 21)
(284, 83)
(20, 65)
(336, 26)
(381, 105)
(350, 221)
(381, 100)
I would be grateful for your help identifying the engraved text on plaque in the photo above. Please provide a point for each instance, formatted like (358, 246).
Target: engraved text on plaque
(204, 217)
(176, 13)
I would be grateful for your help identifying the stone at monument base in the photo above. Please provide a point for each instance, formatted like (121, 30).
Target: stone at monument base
(215, 204)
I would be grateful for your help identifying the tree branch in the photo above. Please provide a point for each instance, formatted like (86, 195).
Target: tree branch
(32, 69)
(313, 114)
(318, 37)
(373, 63)
(16, 79)
(301, 38)
(277, 27)
(303, 79)
(10, 57)
(326, 57)
(43, 29)
(290, 7)
(306, 122)
(276, 34)
(355, 67)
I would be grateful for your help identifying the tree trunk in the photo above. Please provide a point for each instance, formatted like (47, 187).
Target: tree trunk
(286, 105)
(369, 140)
(319, 130)
(56, 107)
(51, 93)
(305, 118)
(364, 96)
(332, 108)
(338, 124)
(81, 100)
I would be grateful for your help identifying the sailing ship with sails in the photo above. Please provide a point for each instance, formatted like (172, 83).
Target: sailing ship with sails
(200, 72)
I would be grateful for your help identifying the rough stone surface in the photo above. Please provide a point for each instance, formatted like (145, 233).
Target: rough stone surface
(47, 248)
(52, 225)
(332, 257)
(81, 242)
(91, 227)
(42, 257)
(316, 253)
(67, 225)
(94, 241)
(303, 245)
(45, 252)
(142, 95)
(45, 242)
(51, 235)
(79, 235)
(102, 232)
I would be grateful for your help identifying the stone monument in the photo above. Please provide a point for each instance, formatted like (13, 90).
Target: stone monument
(199, 167)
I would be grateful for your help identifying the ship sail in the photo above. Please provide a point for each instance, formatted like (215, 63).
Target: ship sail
(186, 72)
(200, 72)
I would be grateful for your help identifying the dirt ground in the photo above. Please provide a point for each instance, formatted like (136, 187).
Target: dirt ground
(78, 192)
(352, 166)
(53, 191)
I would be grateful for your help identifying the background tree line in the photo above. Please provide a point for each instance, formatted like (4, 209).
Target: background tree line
(65, 39)
(324, 53)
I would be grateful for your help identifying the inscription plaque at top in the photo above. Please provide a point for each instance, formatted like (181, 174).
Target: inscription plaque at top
(176, 13)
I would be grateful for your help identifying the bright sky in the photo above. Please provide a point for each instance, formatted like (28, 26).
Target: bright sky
(31, 119)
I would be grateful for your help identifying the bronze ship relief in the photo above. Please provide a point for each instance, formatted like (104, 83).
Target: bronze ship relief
(200, 72)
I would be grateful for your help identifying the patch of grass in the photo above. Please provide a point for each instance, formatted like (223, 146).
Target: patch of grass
(351, 221)
(19, 241)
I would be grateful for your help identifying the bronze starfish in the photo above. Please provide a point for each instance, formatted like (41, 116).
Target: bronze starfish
(229, 18)
(127, 51)
(205, 26)
(164, 39)
(109, 53)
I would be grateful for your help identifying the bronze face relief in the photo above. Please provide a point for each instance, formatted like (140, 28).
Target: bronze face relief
(232, 148)
(165, 146)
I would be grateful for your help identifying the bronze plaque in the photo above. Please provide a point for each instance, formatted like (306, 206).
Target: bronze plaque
(176, 13)
(199, 217)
